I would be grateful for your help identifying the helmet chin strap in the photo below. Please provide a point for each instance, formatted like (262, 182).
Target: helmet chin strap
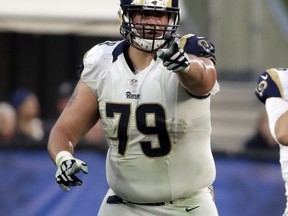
(148, 45)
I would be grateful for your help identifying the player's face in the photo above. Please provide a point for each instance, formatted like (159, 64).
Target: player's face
(154, 23)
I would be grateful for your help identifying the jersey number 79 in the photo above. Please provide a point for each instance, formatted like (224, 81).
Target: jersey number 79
(158, 129)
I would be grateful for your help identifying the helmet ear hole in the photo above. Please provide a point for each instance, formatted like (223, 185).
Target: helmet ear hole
(148, 37)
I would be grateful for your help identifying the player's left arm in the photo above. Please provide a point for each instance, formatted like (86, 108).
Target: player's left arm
(272, 90)
(200, 77)
(193, 59)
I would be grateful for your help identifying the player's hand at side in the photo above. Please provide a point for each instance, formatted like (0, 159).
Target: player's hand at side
(174, 58)
(269, 84)
(67, 167)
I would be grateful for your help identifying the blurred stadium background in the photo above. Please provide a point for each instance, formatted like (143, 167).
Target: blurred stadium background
(43, 42)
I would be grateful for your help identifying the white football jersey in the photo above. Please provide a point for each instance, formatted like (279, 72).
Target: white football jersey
(284, 169)
(280, 77)
(158, 134)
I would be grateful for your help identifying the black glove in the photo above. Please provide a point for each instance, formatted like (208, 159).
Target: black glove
(67, 167)
(174, 58)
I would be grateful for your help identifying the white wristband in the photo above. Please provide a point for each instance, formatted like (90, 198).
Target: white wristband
(62, 156)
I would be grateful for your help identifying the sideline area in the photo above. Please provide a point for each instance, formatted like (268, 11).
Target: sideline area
(243, 186)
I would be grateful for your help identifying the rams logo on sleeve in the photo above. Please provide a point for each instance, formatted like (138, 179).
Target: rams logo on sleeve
(268, 85)
(199, 46)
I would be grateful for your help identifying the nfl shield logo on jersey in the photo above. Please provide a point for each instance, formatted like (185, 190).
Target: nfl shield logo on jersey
(133, 82)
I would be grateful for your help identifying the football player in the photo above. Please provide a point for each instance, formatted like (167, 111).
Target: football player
(272, 90)
(152, 91)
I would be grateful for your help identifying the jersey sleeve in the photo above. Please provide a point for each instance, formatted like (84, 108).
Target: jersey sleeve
(272, 83)
(275, 108)
(96, 63)
(199, 46)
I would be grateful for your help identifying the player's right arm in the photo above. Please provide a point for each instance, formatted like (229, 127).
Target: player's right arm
(277, 111)
(79, 115)
(281, 128)
(272, 91)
